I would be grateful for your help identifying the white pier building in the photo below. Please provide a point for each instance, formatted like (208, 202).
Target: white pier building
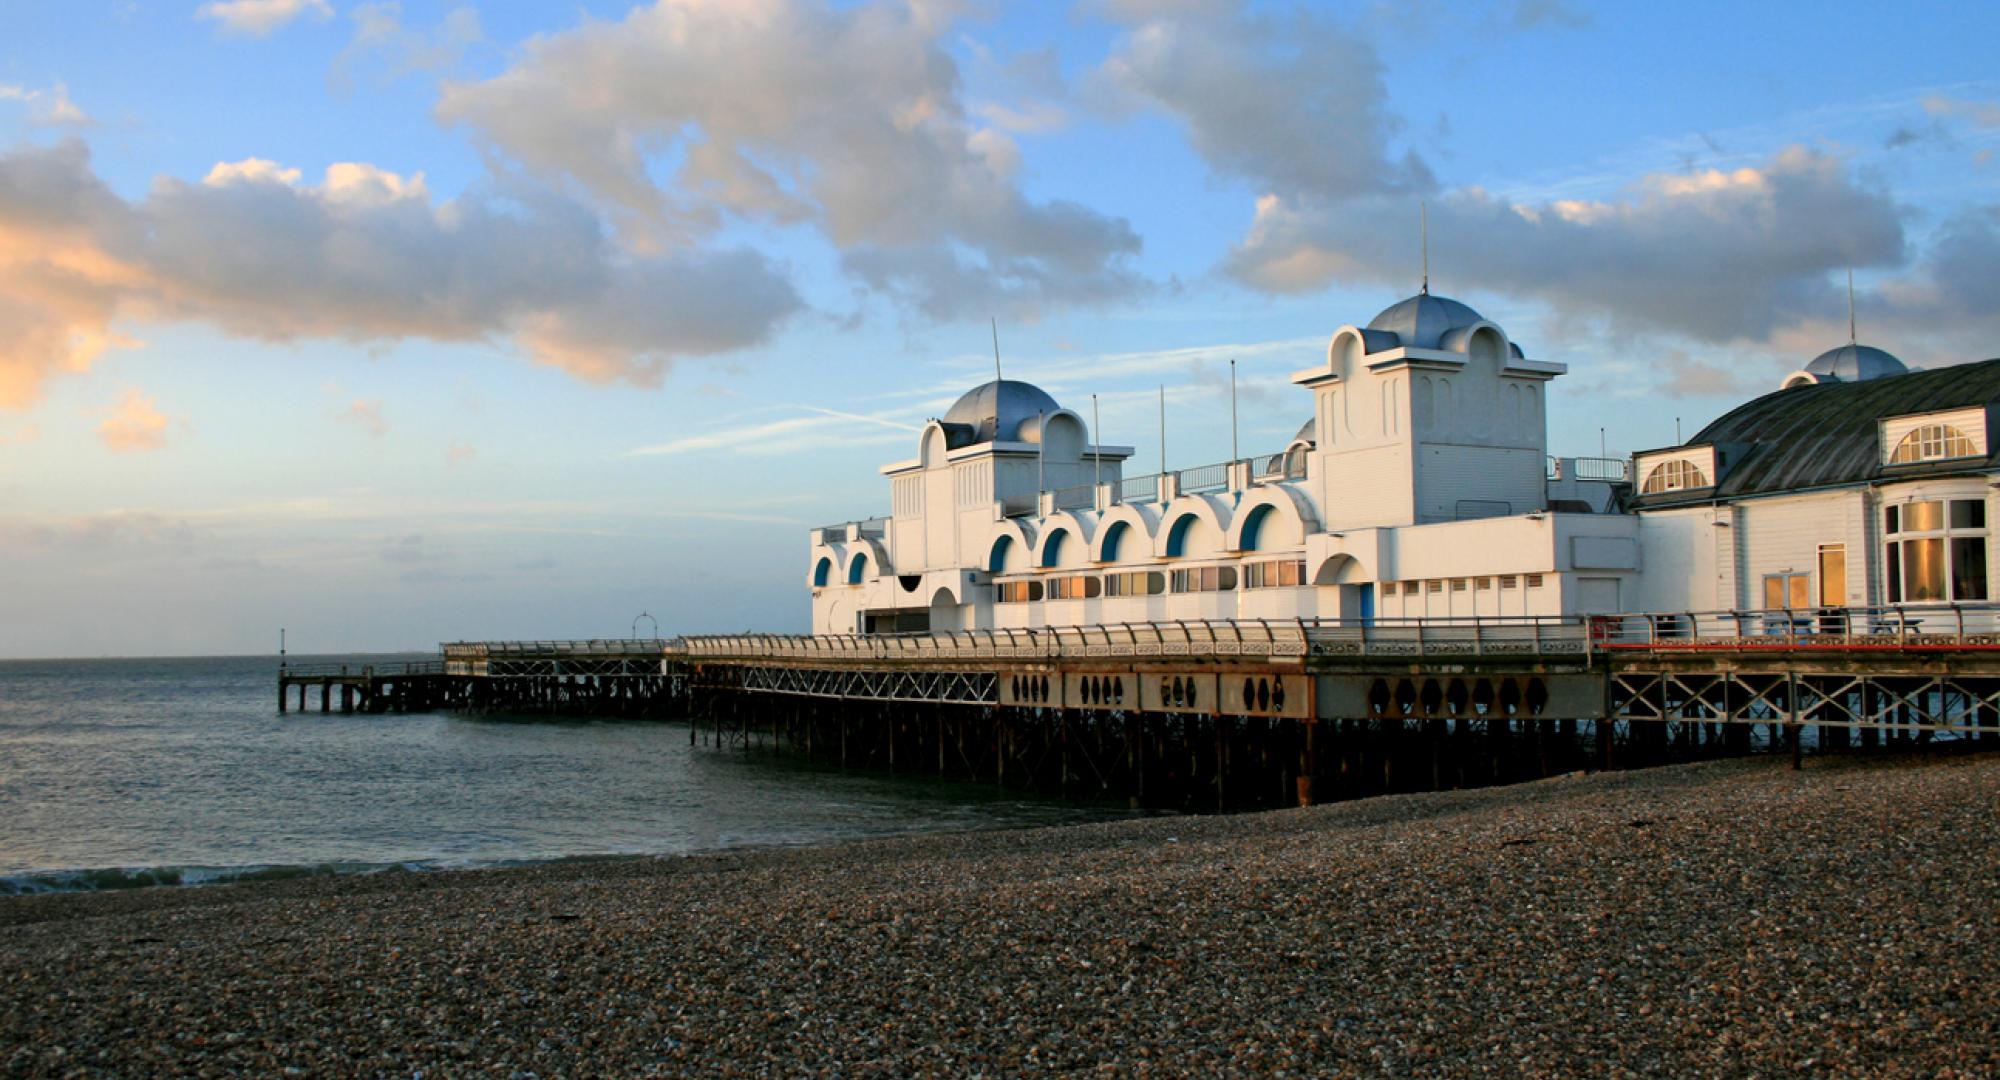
(1421, 487)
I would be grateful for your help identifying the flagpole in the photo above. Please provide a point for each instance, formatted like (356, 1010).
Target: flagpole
(1233, 453)
(1163, 429)
(1097, 452)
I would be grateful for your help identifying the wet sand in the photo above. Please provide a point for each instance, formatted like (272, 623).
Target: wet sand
(1732, 918)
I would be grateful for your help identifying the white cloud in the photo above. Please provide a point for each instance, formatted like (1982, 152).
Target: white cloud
(791, 112)
(259, 18)
(367, 413)
(50, 108)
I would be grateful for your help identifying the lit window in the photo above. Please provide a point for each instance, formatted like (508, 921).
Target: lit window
(1933, 442)
(1205, 579)
(1018, 592)
(1938, 551)
(1135, 583)
(1274, 573)
(1675, 475)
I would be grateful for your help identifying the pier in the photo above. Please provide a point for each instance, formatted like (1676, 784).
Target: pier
(1248, 714)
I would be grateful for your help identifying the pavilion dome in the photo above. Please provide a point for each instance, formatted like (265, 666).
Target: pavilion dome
(998, 410)
(1422, 321)
(1855, 363)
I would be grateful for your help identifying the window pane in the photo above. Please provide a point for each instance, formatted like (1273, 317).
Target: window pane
(1799, 596)
(1968, 514)
(1774, 592)
(1968, 568)
(1923, 516)
(1895, 573)
(1891, 519)
(1923, 570)
(1832, 576)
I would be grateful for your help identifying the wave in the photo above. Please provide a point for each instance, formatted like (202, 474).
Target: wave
(145, 877)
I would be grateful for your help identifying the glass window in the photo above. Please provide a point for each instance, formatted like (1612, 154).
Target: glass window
(1892, 520)
(1933, 442)
(1968, 568)
(1790, 591)
(1893, 573)
(1676, 475)
(1923, 570)
(1923, 516)
(1968, 514)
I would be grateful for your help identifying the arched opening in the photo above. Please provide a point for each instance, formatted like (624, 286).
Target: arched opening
(1356, 592)
(996, 562)
(1676, 475)
(1253, 527)
(857, 571)
(1177, 536)
(1053, 546)
(822, 572)
(1113, 537)
(1933, 442)
(944, 611)
(1485, 347)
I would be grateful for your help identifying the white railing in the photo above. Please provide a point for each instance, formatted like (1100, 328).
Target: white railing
(578, 648)
(1971, 625)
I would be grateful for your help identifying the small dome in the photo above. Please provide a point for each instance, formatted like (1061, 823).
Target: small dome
(996, 411)
(1855, 363)
(1423, 320)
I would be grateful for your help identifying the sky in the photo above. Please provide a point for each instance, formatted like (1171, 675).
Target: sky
(391, 324)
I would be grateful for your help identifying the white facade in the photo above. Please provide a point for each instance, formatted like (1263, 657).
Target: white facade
(1421, 488)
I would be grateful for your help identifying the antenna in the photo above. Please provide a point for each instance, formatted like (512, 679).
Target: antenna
(1424, 234)
(1850, 306)
(1163, 429)
(996, 349)
(1232, 409)
(1097, 451)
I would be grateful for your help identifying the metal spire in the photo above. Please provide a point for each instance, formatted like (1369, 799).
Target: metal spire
(996, 350)
(1424, 234)
(1851, 340)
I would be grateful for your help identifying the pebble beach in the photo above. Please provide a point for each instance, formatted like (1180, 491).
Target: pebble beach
(1724, 919)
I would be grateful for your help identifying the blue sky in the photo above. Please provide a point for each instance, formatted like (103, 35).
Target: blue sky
(398, 323)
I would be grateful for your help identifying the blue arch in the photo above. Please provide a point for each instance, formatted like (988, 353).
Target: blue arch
(1052, 547)
(857, 568)
(1177, 536)
(822, 572)
(1252, 526)
(1112, 537)
(997, 560)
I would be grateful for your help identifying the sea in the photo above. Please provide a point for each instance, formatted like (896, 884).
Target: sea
(125, 773)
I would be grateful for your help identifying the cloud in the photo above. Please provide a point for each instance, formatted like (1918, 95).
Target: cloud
(50, 108)
(687, 114)
(366, 255)
(259, 18)
(1712, 255)
(367, 412)
(789, 435)
(1532, 14)
(1293, 104)
(384, 45)
(1981, 114)
(134, 425)
(459, 453)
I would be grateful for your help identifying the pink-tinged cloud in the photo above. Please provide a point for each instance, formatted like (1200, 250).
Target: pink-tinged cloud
(366, 412)
(459, 453)
(134, 425)
(365, 256)
(259, 18)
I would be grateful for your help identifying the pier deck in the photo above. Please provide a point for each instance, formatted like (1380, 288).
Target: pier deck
(1229, 714)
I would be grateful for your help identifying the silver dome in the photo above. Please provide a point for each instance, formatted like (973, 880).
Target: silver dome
(1856, 363)
(1423, 320)
(995, 412)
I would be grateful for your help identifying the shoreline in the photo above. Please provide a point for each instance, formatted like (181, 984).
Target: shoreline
(1723, 917)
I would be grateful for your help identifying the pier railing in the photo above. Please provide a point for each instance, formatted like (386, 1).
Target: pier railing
(321, 671)
(1902, 627)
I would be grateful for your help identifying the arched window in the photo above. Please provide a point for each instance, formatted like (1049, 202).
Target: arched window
(1676, 475)
(1177, 536)
(822, 572)
(857, 570)
(1933, 442)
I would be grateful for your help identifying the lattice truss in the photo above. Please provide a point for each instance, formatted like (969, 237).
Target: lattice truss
(945, 687)
(1943, 703)
(555, 667)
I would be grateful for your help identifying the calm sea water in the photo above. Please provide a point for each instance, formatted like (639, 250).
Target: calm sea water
(181, 771)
